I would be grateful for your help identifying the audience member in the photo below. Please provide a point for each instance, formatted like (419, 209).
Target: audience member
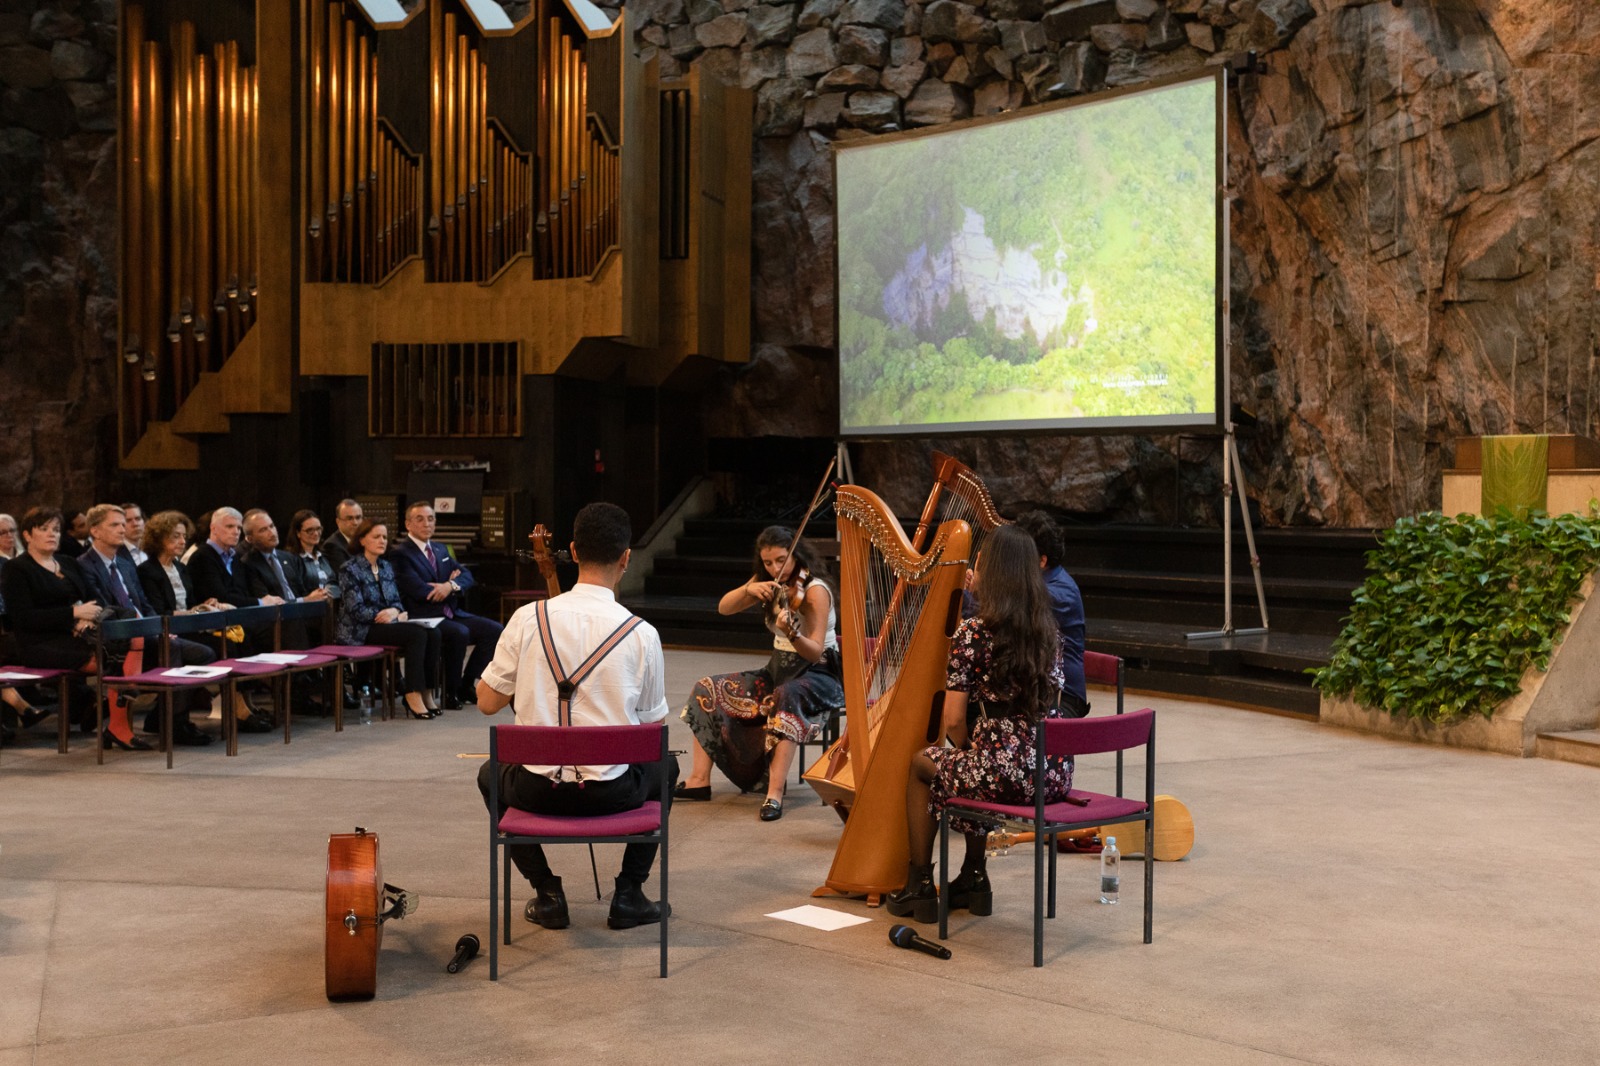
(371, 611)
(115, 582)
(431, 586)
(50, 606)
(75, 538)
(341, 544)
(10, 546)
(305, 540)
(195, 540)
(134, 545)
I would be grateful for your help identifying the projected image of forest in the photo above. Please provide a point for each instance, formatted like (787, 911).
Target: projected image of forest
(1033, 272)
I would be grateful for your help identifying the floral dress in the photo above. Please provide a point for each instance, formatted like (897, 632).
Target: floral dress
(739, 718)
(997, 764)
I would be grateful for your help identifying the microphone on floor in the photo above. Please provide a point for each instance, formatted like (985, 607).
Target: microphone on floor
(903, 936)
(466, 948)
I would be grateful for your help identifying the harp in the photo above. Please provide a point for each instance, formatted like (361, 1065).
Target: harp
(908, 602)
(957, 492)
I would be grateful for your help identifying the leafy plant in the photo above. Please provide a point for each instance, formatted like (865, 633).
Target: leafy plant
(1455, 610)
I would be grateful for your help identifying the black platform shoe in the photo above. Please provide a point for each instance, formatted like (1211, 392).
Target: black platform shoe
(548, 907)
(970, 890)
(919, 900)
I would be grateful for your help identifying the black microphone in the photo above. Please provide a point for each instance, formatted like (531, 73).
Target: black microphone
(903, 936)
(466, 947)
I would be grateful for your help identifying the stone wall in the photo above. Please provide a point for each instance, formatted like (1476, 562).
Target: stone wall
(1416, 245)
(58, 247)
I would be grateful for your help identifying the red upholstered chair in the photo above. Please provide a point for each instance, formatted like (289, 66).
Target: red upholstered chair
(1102, 669)
(1065, 736)
(569, 746)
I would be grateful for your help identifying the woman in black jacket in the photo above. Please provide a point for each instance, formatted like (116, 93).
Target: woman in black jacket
(165, 579)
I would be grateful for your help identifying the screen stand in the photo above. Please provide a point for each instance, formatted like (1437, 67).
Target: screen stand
(847, 475)
(1231, 468)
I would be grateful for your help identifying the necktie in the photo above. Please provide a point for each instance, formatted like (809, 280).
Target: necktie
(283, 582)
(119, 590)
(433, 561)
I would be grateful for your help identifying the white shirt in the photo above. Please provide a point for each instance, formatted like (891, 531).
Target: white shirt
(627, 688)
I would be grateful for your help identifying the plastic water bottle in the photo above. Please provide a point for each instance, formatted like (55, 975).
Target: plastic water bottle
(1110, 871)
(366, 704)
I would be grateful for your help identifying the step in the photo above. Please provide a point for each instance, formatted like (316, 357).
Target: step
(1580, 746)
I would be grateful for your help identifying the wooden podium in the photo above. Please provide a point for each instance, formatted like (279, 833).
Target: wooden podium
(1572, 477)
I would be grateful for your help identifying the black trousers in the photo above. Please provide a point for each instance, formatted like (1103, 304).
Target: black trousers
(521, 788)
(460, 672)
(419, 650)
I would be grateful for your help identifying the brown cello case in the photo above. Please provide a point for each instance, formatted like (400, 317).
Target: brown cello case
(358, 903)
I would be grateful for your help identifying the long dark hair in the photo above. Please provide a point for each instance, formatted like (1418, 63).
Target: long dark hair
(803, 555)
(1014, 607)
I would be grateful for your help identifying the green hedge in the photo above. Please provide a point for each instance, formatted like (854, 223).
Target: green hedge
(1455, 610)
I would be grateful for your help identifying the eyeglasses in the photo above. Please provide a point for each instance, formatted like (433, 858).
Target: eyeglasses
(313, 530)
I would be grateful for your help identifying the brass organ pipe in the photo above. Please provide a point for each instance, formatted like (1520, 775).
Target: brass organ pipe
(172, 343)
(359, 135)
(252, 175)
(372, 160)
(201, 250)
(476, 191)
(347, 182)
(447, 147)
(316, 135)
(236, 185)
(574, 126)
(459, 160)
(135, 112)
(152, 286)
(219, 248)
(335, 88)
(435, 135)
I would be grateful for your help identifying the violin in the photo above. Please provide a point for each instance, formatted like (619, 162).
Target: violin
(540, 539)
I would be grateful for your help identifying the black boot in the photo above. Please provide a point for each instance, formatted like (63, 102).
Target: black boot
(971, 890)
(548, 907)
(919, 899)
(630, 906)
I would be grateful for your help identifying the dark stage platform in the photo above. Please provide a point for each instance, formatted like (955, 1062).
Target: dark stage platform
(1144, 590)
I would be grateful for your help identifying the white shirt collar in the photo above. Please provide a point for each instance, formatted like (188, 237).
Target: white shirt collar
(422, 545)
(592, 591)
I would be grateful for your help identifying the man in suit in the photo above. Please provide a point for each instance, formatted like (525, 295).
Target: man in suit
(115, 583)
(341, 545)
(431, 585)
(271, 571)
(131, 547)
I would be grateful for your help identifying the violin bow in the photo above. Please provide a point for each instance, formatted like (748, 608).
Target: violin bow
(816, 501)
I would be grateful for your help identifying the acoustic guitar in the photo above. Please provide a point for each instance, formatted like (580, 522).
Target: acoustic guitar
(358, 903)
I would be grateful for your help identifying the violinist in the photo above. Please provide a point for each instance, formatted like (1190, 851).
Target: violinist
(748, 724)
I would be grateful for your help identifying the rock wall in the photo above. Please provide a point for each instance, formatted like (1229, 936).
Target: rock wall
(1416, 241)
(58, 247)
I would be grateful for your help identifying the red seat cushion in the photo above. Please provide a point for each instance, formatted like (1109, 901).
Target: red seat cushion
(354, 652)
(645, 818)
(161, 677)
(1101, 808)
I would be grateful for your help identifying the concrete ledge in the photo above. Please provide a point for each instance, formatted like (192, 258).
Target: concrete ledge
(1565, 698)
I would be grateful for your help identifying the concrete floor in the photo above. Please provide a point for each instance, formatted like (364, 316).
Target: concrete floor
(1349, 900)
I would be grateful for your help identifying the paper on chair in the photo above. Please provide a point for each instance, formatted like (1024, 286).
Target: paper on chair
(275, 658)
(197, 671)
(819, 918)
(9, 676)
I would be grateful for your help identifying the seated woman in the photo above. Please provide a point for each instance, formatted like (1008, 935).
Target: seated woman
(53, 611)
(10, 547)
(305, 544)
(1005, 672)
(370, 613)
(749, 724)
(17, 712)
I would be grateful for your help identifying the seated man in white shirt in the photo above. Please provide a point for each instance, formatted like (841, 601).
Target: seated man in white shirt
(627, 687)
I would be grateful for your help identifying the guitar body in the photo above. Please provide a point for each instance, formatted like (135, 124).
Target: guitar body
(1174, 832)
(354, 923)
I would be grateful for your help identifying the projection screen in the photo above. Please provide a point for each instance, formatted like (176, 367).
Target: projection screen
(1058, 269)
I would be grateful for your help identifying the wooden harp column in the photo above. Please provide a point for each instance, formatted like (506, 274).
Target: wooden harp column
(909, 602)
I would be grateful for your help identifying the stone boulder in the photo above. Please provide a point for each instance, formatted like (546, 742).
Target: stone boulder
(937, 102)
(812, 53)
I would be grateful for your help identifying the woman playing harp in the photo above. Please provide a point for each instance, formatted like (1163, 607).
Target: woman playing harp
(748, 724)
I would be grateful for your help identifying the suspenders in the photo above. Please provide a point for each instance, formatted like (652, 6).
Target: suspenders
(567, 684)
